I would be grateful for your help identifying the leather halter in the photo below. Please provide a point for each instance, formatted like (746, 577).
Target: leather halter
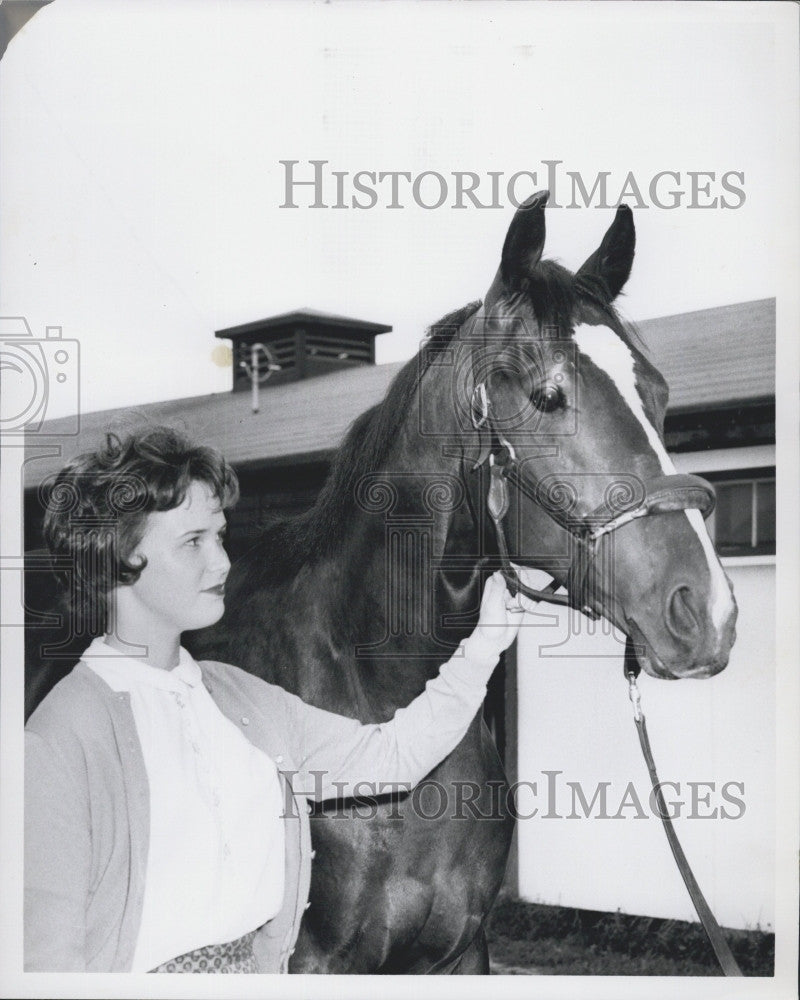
(627, 500)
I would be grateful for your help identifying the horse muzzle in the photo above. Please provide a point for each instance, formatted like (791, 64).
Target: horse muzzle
(697, 661)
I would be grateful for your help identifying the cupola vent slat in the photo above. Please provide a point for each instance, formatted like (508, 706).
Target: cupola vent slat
(299, 345)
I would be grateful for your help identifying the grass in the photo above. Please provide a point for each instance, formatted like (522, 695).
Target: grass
(556, 940)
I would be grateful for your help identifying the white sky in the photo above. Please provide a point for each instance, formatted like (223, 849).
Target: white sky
(141, 187)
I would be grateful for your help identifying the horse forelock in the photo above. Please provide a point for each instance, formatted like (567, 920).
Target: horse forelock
(552, 292)
(560, 300)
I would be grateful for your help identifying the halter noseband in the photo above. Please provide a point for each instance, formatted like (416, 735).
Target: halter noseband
(659, 495)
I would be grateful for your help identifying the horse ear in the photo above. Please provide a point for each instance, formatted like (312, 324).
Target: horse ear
(522, 249)
(524, 243)
(613, 260)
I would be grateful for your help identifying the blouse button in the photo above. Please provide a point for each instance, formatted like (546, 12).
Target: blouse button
(307, 905)
(245, 721)
(309, 807)
(279, 759)
(313, 855)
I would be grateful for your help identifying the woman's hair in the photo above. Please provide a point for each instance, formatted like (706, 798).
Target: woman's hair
(97, 507)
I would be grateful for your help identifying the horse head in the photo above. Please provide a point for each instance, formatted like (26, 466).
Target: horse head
(569, 413)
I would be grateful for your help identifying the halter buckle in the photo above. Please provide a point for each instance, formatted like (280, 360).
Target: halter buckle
(497, 500)
(480, 406)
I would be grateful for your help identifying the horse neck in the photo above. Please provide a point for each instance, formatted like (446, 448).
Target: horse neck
(378, 602)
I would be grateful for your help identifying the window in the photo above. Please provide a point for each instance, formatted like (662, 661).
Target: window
(743, 521)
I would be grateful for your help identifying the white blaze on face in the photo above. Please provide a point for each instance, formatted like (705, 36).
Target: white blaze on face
(613, 356)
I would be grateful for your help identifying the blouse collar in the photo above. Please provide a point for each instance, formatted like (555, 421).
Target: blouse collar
(127, 673)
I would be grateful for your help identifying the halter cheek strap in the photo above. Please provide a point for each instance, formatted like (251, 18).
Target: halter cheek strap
(479, 405)
(497, 503)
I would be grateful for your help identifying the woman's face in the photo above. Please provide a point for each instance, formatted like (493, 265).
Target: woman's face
(182, 585)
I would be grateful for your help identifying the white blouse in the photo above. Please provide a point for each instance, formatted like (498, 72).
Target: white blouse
(215, 866)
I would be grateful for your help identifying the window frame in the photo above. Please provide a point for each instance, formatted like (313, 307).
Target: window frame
(743, 477)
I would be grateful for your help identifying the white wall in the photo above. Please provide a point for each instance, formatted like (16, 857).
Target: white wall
(575, 717)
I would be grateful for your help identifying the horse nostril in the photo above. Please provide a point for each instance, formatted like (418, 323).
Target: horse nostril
(682, 619)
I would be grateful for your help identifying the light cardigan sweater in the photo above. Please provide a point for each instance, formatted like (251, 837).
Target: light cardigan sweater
(214, 796)
(87, 799)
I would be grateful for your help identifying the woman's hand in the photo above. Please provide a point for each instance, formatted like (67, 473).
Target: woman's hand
(499, 618)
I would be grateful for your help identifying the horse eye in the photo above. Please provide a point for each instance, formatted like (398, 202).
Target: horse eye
(547, 397)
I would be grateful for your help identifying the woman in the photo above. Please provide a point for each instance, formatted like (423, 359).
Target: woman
(166, 826)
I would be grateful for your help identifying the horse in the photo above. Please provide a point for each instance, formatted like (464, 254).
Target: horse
(526, 433)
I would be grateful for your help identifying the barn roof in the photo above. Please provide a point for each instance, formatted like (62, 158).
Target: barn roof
(297, 420)
(710, 358)
(715, 357)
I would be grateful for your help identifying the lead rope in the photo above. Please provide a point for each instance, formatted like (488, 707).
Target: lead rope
(707, 919)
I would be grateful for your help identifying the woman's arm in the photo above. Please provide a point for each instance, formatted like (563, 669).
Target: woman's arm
(345, 758)
(57, 862)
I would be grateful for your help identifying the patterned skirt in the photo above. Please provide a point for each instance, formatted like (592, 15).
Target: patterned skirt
(235, 956)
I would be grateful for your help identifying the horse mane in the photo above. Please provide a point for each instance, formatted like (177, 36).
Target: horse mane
(371, 435)
(312, 534)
